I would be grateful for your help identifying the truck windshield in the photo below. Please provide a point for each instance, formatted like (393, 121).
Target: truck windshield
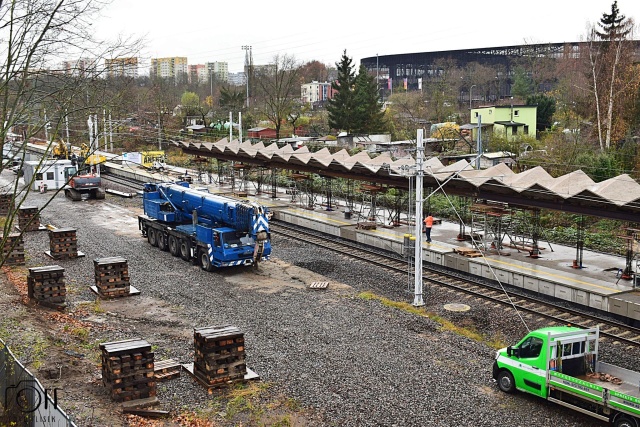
(531, 347)
(234, 239)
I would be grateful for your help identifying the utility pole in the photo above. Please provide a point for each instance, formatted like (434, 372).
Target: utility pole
(104, 128)
(247, 68)
(159, 133)
(110, 131)
(479, 143)
(240, 126)
(417, 300)
(230, 126)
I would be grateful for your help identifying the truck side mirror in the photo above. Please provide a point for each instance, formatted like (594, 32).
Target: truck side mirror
(509, 351)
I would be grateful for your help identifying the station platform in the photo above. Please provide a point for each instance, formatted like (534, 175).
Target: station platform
(595, 284)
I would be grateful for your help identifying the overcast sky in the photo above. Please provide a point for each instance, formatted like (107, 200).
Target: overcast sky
(208, 31)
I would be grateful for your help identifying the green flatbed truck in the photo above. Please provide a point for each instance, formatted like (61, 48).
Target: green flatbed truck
(561, 364)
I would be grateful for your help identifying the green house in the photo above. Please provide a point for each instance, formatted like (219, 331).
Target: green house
(508, 121)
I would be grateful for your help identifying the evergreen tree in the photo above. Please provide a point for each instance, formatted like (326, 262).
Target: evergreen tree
(341, 105)
(614, 25)
(368, 117)
(546, 109)
(522, 85)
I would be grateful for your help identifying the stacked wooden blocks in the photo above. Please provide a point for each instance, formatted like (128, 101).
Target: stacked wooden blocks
(219, 355)
(28, 218)
(112, 277)
(46, 284)
(127, 369)
(6, 203)
(13, 256)
(63, 243)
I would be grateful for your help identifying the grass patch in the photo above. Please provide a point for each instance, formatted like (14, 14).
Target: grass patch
(468, 332)
(242, 399)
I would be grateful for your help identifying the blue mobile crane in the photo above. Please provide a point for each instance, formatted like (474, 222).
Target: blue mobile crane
(208, 229)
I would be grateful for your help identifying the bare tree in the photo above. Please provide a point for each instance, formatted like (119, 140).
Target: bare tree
(278, 85)
(38, 97)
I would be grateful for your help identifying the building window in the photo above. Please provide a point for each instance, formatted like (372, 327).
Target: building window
(475, 115)
(514, 130)
(516, 113)
(49, 176)
(39, 176)
(526, 129)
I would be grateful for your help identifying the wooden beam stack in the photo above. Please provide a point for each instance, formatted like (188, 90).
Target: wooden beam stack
(28, 218)
(112, 277)
(127, 369)
(63, 243)
(13, 256)
(6, 203)
(46, 284)
(219, 355)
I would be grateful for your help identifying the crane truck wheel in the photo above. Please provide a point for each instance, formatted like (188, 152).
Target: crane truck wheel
(506, 382)
(174, 246)
(205, 262)
(185, 250)
(625, 421)
(162, 241)
(152, 237)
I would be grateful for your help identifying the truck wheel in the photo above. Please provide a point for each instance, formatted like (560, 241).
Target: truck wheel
(205, 262)
(152, 237)
(185, 250)
(174, 247)
(506, 382)
(162, 241)
(625, 421)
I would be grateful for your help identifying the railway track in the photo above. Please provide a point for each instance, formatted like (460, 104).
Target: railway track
(434, 278)
(129, 183)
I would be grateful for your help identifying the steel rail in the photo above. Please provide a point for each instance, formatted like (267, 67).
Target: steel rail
(609, 328)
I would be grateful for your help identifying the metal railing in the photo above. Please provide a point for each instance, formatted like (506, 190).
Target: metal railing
(23, 400)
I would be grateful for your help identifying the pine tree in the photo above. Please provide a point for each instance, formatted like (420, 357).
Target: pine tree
(369, 117)
(614, 25)
(341, 105)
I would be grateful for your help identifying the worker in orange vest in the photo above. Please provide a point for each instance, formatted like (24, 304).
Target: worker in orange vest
(428, 223)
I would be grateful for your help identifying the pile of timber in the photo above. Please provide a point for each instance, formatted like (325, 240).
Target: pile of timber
(112, 277)
(63, 243)
(166, 369)
(468, 252)
(127, 369)
(15, 255)
(366, 225)
(28, 218)
(46, 284)
(219, 355)
(7, 204)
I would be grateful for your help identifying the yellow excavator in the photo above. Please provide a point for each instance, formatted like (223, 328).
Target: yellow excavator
(60, 150)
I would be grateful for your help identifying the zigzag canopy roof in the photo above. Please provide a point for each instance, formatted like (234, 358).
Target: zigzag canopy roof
(617, 198)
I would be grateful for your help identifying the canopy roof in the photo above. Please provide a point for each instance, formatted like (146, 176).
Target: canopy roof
(617, 198)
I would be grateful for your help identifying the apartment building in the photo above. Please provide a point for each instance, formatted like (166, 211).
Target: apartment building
(316, 92)
(122, 67)
(169, 67)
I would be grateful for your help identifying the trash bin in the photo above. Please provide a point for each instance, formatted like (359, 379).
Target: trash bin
(347, 214)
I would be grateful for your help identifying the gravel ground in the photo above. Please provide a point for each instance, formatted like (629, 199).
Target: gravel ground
(345, 360)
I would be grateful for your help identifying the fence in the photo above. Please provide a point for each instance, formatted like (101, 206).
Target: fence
(23, 400)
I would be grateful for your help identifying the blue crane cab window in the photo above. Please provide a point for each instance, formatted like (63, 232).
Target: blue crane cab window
(234, 239)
